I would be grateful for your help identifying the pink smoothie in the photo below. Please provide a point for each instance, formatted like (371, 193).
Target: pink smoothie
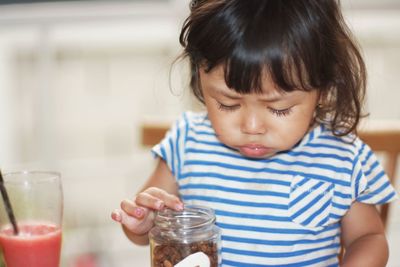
(37, 245)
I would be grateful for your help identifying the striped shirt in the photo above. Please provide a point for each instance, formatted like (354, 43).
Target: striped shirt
(284, 210)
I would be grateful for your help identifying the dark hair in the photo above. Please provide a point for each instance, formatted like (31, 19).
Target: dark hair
(301, 44)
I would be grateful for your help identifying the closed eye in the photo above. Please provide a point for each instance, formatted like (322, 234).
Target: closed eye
(281, 112)
(227, 107)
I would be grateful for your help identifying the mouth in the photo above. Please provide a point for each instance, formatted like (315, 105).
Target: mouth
(255, 150)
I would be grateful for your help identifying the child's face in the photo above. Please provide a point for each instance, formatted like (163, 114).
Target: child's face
(257, 125)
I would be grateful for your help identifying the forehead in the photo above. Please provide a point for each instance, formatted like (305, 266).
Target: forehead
(215, 78)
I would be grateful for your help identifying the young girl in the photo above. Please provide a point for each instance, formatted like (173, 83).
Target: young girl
(275, 155)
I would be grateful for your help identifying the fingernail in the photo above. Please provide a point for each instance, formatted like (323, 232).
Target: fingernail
(116, 216)
(139, 212)
(179, 206)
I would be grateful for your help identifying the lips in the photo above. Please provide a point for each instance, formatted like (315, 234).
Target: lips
(255, 150)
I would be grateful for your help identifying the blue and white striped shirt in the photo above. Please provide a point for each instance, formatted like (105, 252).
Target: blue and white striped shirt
(280, 211)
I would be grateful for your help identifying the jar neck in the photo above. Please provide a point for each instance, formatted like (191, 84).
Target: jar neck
(191, 218)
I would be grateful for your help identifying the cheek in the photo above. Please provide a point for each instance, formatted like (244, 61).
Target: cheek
(214, 113)
(219, 123)
(224, 125)
(290, 131)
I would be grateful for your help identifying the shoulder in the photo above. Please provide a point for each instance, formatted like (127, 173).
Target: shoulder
(193, 121)
(191, 118)
(350, 144)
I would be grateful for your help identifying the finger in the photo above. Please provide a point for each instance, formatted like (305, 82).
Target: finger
(169, 200)
(147, 200)
(116, 215)
(133, 224)
(130, 207)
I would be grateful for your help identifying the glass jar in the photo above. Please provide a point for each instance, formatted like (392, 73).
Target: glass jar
(185, 238)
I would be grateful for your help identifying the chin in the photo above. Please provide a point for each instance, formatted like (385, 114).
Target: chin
(256, 155)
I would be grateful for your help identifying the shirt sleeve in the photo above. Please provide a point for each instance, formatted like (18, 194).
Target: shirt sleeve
(370, 183)
(171, 147)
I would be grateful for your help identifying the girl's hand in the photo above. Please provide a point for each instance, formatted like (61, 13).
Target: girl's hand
(137, 215)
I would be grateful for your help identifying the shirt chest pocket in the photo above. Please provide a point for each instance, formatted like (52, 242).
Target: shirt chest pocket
(310, 202)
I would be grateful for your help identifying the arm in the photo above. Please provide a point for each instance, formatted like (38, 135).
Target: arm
(136, 215)
(363, 237)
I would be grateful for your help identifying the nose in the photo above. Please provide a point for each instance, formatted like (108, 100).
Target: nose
(253, 123)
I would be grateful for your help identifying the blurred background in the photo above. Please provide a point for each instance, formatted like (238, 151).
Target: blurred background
(78, 79)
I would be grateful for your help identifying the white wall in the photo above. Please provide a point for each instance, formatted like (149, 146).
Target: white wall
(378, 35)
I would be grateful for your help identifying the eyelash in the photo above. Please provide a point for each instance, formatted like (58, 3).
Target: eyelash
(227, 108)
(276, 112)
(281, 112)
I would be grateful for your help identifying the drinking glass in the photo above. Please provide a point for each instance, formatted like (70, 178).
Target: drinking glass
(36, 198)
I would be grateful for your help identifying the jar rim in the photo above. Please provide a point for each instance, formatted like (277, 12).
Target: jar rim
(191, 217)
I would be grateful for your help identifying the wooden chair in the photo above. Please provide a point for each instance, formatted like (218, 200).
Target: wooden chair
(153, 133)
(385, 142)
